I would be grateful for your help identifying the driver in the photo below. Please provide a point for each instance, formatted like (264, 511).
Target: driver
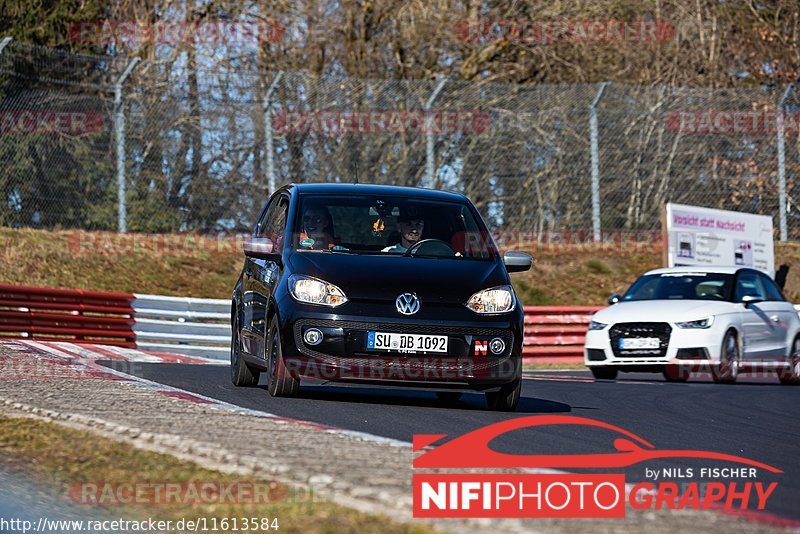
(410, 226)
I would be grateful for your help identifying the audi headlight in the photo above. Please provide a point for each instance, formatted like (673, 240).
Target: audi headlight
(315, 291)
(700, 323)
(498, 299)
(595, 325)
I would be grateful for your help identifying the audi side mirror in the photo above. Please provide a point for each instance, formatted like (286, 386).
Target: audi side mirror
(613, 299)
(749, 300)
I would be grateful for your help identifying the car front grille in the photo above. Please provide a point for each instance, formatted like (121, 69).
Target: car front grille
(620, 331)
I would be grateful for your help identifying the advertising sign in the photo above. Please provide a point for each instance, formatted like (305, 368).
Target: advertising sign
(705, 236)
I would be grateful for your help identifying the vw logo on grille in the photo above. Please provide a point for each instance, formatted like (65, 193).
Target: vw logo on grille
(407, 304)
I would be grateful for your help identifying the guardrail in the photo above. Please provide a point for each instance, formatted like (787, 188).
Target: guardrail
(201, 327)
(66, 315)
(191, 326)
(555, 334)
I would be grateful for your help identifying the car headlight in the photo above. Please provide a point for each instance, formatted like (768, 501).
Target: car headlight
(595, 325)
(315, 291)
(700, 323)
(498, 299)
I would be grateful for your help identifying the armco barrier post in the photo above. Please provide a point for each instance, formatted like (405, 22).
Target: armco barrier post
(595, 161)
(429, 154)
(782, 166)
(119, 124)
(269, 148)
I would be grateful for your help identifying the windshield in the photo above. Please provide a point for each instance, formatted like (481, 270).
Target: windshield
(681, 286)
(389, 225)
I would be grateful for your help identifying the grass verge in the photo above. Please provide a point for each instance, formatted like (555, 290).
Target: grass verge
(60, 459)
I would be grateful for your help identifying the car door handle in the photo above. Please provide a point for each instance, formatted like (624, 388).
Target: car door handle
(774, 318)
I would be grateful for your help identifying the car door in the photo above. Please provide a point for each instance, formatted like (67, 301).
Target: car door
(264, 274)
(249, 331)
(781, 315)
(758, 332)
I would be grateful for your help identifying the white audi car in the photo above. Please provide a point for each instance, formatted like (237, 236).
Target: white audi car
(681, 319)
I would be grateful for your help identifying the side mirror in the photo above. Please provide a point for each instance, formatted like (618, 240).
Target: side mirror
(747, 300)
(517, 262)
(261, 248)
(613, 299)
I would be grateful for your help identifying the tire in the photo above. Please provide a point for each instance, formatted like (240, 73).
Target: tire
(676, 372)
(280, 383)
(448, 397)
(727, 370)
(242, 375)
(604, 373)
(507, 398)
(791, 376)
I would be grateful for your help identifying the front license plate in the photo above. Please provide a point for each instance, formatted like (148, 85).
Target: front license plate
(406, 342)
(639, 343)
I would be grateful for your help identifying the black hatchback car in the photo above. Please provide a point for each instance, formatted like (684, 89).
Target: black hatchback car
(377, 285)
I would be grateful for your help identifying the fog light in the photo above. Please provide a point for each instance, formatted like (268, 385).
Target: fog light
(313, 336)
(497, 346)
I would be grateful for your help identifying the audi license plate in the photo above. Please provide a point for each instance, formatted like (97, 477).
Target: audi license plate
(627, 343)
(406, 342)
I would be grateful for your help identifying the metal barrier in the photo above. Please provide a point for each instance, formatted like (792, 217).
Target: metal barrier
(66, 315)
(555, 334)
(191, 326)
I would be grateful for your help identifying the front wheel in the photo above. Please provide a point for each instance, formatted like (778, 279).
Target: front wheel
(727, 370)
(242, 375)
(791, 375)
(507, 398)
(280, 383)
(604, 373)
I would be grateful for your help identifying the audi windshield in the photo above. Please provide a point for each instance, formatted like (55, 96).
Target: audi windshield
(681, 286)
(391, 226)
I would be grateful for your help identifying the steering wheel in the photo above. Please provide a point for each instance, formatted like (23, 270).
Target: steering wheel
(431, 247)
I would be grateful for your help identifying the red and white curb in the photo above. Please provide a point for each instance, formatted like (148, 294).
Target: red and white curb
(84, 358)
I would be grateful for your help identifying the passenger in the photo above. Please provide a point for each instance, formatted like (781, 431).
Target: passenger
(410, 226)
(317, 229)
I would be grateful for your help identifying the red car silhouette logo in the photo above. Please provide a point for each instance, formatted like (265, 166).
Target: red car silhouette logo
(472, 449)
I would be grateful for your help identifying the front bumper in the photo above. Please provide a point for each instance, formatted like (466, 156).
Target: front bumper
(684, 346)
(343, 355)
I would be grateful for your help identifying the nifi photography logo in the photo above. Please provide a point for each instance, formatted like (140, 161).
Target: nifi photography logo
(719, 481)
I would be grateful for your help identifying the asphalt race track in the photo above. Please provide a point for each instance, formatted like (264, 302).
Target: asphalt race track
(756, 418)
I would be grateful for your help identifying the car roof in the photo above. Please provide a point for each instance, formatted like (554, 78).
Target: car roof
(696, 269)
(373, 189)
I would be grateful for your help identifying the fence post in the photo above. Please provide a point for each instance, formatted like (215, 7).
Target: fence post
(782, 166)
(119, 126)
(4, 43)
(595, 162)
(429, 155)
(268, 144)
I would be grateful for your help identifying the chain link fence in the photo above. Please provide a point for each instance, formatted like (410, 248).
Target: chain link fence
(200, 147)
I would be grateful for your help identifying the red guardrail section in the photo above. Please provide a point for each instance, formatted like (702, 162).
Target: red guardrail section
(42, 313)
(555, 334)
